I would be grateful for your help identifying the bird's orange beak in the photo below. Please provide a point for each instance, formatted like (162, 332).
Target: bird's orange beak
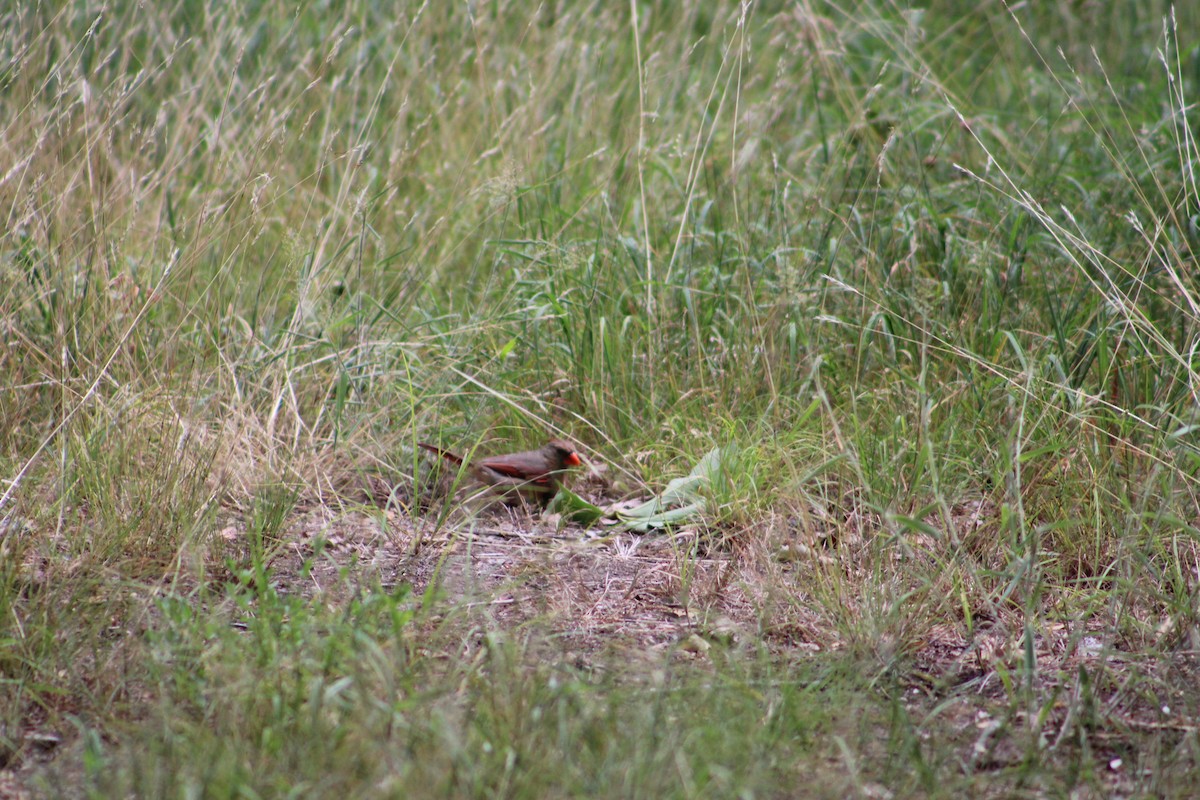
(573, 460)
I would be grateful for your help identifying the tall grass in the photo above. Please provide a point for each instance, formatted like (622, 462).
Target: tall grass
(932, 270)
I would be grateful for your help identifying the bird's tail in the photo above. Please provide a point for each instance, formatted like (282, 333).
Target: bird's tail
(437, 451)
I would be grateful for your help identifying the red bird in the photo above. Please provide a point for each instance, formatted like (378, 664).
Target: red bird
(532, 474)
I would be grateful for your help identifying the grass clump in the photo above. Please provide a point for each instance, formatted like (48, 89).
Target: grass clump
(310, 699)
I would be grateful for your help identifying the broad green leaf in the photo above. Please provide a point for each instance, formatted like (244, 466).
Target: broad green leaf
(575, 508)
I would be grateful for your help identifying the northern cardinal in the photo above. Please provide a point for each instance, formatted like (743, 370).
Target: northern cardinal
(533, 474)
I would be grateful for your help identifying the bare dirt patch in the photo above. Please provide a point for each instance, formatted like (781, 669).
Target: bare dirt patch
(591, 593)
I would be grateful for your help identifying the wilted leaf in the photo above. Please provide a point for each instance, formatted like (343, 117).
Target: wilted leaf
(682, 497)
